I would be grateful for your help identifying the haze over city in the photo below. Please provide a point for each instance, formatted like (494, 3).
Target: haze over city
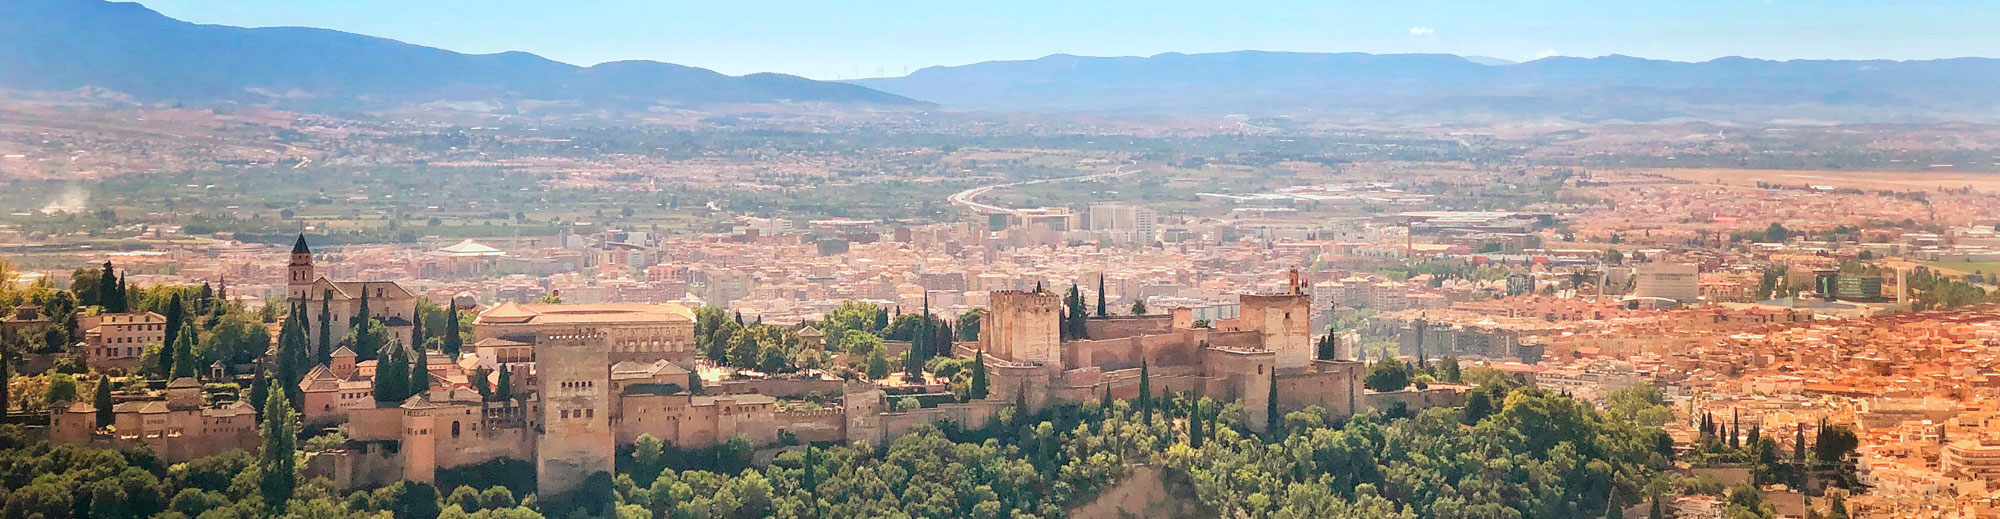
(639, 260)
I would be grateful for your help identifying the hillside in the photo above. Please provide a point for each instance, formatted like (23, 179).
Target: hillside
(62, 45)
(1442, 87)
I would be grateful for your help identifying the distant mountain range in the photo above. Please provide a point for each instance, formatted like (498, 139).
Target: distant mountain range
(62, 45)
(1447, 88)
(67, 45)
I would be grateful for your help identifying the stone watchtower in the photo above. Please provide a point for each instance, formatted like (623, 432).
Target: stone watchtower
(1023, 327)
(302, 276)
(1284, 321)
(573, 384)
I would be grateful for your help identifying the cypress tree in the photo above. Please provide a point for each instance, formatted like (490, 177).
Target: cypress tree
(184, 359)
(279, 474)
(205, 300)
(260, 390)
(362, 315)
(452, 342)
(1145, 393)
(504, 389)
(123, 298)
(1102, 310)
(1799, 447)
(392, 375)
(1273, 423)
(101, 399)
(481, 382)
(1195, 434)
(1735, 429)
(325, 351)
(107, 288)
(292, 360)
(420, 372)
(176, 314)
(978, 388)
(1657, 512)
(417, 339)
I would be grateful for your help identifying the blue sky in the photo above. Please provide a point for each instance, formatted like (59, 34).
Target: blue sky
(866, 38)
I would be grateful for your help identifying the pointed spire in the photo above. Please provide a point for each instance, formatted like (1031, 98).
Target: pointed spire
(300, 247)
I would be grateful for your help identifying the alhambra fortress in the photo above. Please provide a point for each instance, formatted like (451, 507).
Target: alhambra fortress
(590, 378)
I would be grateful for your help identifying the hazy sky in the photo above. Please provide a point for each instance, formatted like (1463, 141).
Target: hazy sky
(843, 39)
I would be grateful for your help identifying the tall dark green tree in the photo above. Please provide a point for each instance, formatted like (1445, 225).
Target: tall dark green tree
(417, 339)
(1273, 422)
(292, 360)
(978, 386)
(177, 314)
(503, 390)
(1102, 310)
(420, 372)
(278, 474)
(101, 399)
(204, 301)
(452, 342)
(361, 315)
(325, 350)
(184, 360)
(1195, 433)
(392, 375)
(260, 390)
(1327, 344)
(123, 298)
(1145, 393)
(482, 382)
(107, 289)
(1074, 314)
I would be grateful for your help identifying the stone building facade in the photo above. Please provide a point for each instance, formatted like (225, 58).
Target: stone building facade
(119, 340)
(178, 427)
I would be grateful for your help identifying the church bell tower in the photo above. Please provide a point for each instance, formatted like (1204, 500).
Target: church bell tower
(301, 268)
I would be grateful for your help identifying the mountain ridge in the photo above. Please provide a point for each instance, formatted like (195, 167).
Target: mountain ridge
(1450, 87)
(61, 45)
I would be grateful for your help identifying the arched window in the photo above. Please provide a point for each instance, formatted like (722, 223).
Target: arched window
(454, 429)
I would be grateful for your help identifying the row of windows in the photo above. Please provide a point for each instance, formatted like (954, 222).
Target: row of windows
(583, 384)
(139, 327)
(582, 413)
(118, 352)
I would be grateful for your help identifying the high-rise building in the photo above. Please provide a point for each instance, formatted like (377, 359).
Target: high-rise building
(1677, 281)
(1125, 223)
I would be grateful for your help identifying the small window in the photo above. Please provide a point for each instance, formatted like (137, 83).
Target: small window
(454, 429)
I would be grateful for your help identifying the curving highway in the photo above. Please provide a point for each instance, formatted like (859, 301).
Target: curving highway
(969, 198)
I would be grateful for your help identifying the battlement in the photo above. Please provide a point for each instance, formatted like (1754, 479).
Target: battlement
(804, 415)
(1025, 298)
